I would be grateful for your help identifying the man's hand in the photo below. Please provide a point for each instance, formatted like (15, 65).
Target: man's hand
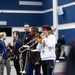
(43, 36)
(37, 63)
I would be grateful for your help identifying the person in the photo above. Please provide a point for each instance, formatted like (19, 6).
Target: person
(7, 60)
(25, 40)
(17, 43)
(47, 48)
(34, 57)
(62, 54)
(58, 49)
(70, 65)
(4, 59)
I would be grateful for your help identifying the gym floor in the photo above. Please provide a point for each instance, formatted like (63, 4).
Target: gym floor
(58, 70)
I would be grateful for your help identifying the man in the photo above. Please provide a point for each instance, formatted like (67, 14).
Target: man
(58, 49)
(47, 48)
(25, 40)
(34, 57)
(4, 60)
(16, 45)
(62, 45)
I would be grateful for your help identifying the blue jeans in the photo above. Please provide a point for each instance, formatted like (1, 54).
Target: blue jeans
(31, 67)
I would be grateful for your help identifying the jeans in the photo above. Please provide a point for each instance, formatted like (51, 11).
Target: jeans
(5, 62)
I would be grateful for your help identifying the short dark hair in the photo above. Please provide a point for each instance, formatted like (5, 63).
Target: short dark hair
(26, 24)
(17, 33)
(35, 29)
(47, 27)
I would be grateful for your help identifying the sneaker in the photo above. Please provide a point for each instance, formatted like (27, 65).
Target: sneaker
(57, 60)
(21, 71)
(61, 57)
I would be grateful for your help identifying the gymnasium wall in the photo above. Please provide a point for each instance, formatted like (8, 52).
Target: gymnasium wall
(47, 12)
(66, 21)
(17, 12)
(14, 13)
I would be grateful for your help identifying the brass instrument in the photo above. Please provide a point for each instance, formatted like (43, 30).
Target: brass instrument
(37, 36)
(12, 55)
(24, 71)
(26, 47)
(53, 30)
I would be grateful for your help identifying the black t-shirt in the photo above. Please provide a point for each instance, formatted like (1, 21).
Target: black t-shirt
(25, 40)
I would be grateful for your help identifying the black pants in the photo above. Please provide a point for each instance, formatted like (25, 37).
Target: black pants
(58, 52)
(24, 63)
(17, 66)
(47, 67)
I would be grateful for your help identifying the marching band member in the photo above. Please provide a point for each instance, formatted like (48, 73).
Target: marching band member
(25, 40)
(34, 57)
(47, 48)
(16, 45)
(4, 59)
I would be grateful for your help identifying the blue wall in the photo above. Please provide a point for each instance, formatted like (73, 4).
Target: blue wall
(40, 19)
(61, 2)
(47, 4)
(48, 18)
(20, 19)
(69, 15)
(14, 5)
(69, 35)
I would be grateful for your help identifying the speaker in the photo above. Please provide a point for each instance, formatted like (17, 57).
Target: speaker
(60, 11)
(7, 30)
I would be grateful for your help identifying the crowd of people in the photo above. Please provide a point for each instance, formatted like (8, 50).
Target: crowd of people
(40, 50)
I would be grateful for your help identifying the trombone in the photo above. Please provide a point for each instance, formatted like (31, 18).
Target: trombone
(26, 49)
(37, 36)
(24, 71)
(26, 46)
